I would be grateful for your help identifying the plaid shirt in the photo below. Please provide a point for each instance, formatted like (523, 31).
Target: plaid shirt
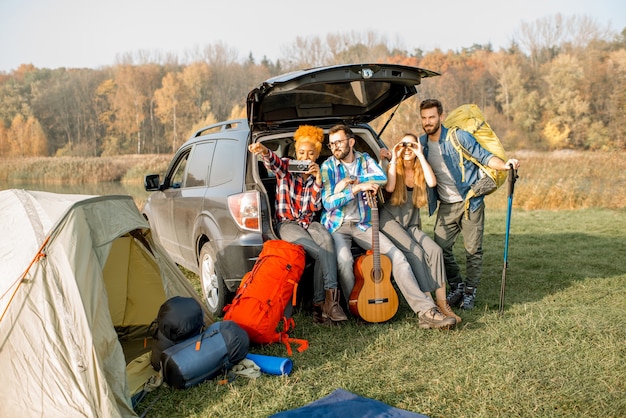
(297, 199)
(368, 171)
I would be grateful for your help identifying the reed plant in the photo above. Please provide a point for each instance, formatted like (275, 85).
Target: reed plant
(567, 180)
(547, 180)
(78, 170)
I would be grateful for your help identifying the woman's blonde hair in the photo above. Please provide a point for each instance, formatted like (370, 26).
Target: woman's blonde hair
(398, 197)
(312, 134)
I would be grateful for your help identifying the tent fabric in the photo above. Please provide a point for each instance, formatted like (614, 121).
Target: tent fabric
(341, 403)
(77, 273)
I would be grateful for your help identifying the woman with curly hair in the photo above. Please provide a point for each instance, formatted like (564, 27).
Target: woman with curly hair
(298, 198)
(408, 174)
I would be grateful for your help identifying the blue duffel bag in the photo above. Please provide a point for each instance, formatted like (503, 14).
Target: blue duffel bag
(205, 356)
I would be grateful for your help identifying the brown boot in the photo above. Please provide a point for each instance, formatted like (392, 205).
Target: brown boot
(331, 308)
(444, 308)
(318, 315)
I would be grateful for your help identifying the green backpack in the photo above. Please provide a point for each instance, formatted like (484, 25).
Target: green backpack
(470, 118)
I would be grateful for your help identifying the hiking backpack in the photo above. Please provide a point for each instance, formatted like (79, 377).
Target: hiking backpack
(264, 292)
(470, 118)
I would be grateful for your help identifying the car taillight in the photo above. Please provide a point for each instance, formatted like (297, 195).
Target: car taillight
(244, 208)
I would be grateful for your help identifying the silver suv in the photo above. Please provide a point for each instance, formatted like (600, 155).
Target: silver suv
(215, 206)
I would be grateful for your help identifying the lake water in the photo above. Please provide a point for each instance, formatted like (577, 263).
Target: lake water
(135, 190)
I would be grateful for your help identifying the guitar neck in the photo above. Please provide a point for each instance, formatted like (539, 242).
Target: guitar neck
(375, 234)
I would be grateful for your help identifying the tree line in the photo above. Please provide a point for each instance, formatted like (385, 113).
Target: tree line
(561, 84)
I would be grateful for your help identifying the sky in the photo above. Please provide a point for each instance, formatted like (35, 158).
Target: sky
(94, 33)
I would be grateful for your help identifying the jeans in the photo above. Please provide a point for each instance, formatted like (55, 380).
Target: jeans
(318, 244)
(451, 221)
(402, 273)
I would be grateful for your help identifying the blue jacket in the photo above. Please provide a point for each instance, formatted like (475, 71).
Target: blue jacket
(452, 160)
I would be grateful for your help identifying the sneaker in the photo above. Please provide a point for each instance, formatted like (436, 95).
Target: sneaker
(455, 296)
(469, 297)
(433, 318)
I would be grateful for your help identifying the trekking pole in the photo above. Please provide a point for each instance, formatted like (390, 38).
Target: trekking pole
(511, 182)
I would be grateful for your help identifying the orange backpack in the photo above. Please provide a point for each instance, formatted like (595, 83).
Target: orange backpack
(264, 292)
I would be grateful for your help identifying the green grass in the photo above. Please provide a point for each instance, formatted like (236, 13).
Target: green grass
(557, 351)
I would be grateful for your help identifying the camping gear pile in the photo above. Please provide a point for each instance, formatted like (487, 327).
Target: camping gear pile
(81, 280)
(185, 352)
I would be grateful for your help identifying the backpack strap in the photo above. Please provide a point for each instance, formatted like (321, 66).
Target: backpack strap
(289, 323)
(454, 140)
(295, 293)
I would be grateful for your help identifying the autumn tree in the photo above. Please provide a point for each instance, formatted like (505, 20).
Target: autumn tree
(560, 84)
(132, 104)
(566, 112)
(4, 141)
(615, 115)
(229, 82)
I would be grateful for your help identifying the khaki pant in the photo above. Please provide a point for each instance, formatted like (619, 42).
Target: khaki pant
(451, 222)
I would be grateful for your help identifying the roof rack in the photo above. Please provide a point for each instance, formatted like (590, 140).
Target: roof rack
(233, 124)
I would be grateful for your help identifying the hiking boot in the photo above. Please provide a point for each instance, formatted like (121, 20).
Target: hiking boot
(433, 318)
(444, 308)
(455, 296)
(331, 308)
(469, 295)
(318, 317)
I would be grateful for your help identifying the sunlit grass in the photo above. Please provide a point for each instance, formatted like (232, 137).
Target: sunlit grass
(557, 351)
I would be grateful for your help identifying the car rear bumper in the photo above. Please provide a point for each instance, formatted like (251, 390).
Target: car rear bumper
(236, 258)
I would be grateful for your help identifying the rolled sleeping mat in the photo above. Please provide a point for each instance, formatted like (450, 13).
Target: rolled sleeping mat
(271, 364)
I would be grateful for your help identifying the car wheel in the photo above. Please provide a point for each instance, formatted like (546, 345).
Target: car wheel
(213, 288)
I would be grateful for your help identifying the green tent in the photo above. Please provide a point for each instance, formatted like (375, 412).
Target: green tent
(81, 279)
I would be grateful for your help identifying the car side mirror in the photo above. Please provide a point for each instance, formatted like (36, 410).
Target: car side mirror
(152, 182)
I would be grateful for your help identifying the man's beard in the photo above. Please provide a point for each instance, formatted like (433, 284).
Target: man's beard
(341, 154)
(432, 129)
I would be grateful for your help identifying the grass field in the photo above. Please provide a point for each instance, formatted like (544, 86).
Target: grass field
(557, 351)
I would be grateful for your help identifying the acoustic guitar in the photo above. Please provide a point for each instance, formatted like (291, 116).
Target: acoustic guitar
(373, 297)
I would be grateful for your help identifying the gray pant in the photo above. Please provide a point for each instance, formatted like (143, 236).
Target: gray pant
(451, 221)
(402, 273)
(318, 244)
(422, 253)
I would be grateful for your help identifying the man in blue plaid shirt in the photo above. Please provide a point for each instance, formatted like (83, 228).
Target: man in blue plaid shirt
(346, 176)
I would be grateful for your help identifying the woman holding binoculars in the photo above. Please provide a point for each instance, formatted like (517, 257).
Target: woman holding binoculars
(408, 176)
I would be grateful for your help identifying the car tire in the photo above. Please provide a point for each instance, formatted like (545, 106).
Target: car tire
(214, 290)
